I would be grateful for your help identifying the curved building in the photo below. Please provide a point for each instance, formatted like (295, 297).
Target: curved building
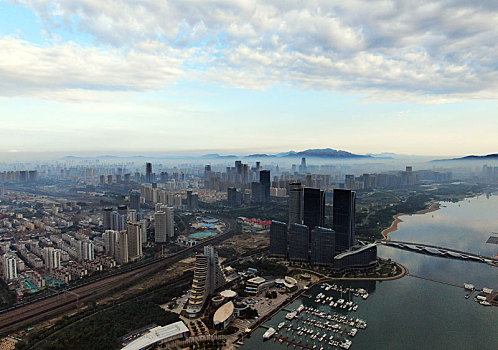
(223, 316)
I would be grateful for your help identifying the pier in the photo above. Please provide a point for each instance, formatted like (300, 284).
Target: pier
(435, 280)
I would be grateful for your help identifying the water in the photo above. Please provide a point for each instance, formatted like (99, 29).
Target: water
(410, 313)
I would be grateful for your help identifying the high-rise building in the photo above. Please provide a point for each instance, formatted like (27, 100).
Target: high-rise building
(132, 215)
(303, 168)
(118, 220)
(121, 252)
(278, 239)
(296, 203)
(109, 179)
(135, 200)
(208, 277)
(52, 258)
(344, 219)
(110, 237)
(134, 240)
(232, 196)
(192, 201)
(314, 207)
(161, 235)
(299, 242)
(9, 267)
(88, 250)
(106, 218)
(322, 246)
(148, 172)
(256, 192)
(264, 180)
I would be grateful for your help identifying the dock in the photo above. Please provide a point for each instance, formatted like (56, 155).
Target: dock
(436, 280)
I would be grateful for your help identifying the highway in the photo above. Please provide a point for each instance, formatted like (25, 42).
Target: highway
(37, 310)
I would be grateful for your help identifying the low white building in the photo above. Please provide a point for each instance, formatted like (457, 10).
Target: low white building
(177, 330)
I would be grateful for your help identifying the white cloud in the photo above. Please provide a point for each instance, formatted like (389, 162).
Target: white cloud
(429, 51)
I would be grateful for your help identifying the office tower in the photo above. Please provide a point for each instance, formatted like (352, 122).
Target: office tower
(160, 227)
(123, 210)
(264, 180)
(350, 182)
(256, 192)
(296, 194)
(132, 215)
(207, 172)
(106, 218)
(102, 180)
(343, 219)
(299, 241)
(109, 179)
(302, 167)
(192, 201)
(135, 200)
(88, 250)
(232, 196)
(110, 237)
(208, 277)
(322, 246)
(134, 240)
(9, 267)
(278, 239)
(121, 252)
(170, 221)
(118, 220)
(143, 230)
(148, 172)
(127, 178)
(258, 166)
(52, 258)
(314, 207)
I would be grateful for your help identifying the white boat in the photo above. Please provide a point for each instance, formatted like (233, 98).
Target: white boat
(353, 332)
(345, 344)
(364, 296)
(269, 333)
(300, 308)
(290, 316)
(485, 303)
(281, 324)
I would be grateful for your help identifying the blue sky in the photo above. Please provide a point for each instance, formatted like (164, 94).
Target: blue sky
(248, 76)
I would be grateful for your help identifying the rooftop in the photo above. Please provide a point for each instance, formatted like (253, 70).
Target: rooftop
(223, 313)
(157, 334)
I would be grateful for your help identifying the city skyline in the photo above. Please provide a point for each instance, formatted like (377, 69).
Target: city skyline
(367, 77)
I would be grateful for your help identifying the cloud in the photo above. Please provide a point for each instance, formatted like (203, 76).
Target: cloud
(425, 51)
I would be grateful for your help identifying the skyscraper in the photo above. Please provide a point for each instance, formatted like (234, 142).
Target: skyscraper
(106, 218)
(344, 219)
(314, 207)
(121, 252)
(52, 258)
(134, 240)
(148, 172)
(135, 200)
(9, 267)
(160, 226)
(118, 220)
(208, 277)
(278, 239)
(299, 241)
(302, 167)
(264, 179)
(110, 237)
(322, 246)
(296, 203)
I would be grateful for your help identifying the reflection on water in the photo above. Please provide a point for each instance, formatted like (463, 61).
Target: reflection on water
(411, 313)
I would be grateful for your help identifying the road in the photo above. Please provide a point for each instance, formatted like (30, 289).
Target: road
(56, 304)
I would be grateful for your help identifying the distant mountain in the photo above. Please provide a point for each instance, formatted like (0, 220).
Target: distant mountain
(259, 155)
(493, 156)
(325, 153)
(218, 156)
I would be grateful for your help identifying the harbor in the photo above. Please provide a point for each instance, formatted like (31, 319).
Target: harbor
(392, 307)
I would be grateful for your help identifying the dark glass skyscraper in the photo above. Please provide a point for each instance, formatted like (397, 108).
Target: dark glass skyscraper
(278, 239)
(343, 219)
(322, 246)
(264, 179)
(299, 242)
(314, 207)
(135, 200)
(148, 172)
(296, 203)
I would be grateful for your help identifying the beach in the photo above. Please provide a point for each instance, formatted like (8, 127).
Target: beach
(394, 226)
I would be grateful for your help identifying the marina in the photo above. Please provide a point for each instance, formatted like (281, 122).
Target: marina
(450, 317)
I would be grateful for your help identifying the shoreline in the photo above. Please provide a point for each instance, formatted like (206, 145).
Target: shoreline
(394, 225)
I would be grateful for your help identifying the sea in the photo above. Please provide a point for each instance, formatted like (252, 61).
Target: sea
(414, 313)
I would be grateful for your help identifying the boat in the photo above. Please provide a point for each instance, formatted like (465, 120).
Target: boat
(299, 309)
(280, 325)
(364, 296)
(346, 344)
(269, 333)
(353, 332)
(290, 316)
(485, 303)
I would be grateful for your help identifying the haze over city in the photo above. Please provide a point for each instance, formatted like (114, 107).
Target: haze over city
(248, 174)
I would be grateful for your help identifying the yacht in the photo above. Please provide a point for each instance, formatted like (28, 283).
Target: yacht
(269, 333)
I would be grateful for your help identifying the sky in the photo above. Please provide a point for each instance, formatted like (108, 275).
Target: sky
(248, 76)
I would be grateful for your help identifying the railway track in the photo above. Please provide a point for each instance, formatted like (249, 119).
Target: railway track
(61, 301)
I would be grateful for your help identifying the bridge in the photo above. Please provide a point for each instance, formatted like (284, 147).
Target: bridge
(450, 253)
